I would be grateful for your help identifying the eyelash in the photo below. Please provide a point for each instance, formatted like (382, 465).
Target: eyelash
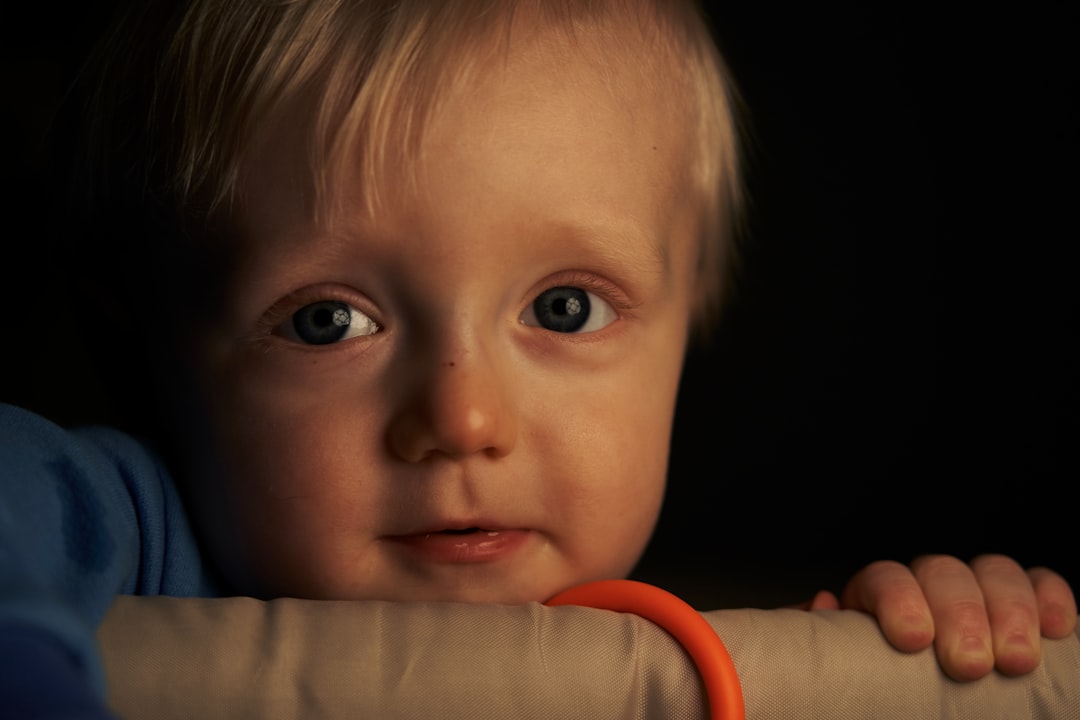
(598, 285)
(287, 306)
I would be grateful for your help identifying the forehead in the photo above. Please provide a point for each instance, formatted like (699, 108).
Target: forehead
(529, 79)
(572, 130)
(568, 147)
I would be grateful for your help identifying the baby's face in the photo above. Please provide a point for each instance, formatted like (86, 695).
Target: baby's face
(467, 396)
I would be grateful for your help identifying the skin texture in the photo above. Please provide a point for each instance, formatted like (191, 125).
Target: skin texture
(449, 407)
(983, 616)
(460, 411)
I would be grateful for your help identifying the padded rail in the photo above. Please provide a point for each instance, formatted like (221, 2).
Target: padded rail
(244, 658)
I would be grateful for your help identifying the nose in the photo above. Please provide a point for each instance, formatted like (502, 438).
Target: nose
(456, 408)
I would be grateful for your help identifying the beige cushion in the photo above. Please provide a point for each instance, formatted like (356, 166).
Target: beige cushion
(243, 658)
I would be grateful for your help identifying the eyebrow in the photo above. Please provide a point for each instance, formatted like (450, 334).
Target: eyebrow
(625, 250)
(610, 239)
(608, 236)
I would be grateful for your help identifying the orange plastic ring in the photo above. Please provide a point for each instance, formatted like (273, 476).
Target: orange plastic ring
(684, 623)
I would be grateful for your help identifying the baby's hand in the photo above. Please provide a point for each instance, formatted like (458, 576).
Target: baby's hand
(981, 616)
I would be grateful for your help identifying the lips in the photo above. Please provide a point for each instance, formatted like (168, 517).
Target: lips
(461, 545)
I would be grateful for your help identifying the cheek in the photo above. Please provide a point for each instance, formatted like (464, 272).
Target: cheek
(614, 497)
(642, 460)
(291, 486)
(644, 413)
(616, 477)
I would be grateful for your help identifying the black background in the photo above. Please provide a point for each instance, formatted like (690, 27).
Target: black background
(897, 371)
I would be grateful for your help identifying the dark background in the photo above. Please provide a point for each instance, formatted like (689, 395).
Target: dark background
(897, 371)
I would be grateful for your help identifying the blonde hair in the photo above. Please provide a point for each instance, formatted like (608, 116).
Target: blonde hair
(375, 70)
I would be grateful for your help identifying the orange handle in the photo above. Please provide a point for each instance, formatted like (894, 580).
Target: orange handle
(683, 622)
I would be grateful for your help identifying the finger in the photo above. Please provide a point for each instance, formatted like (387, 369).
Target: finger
(888, 591)
(823, 600)
(1056, 603)
(956, 603)
(1012, 611)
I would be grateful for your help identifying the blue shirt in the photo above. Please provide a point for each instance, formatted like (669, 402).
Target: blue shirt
(85, 515)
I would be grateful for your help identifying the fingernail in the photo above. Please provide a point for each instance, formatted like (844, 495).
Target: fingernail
(1018, 654)
(921, 630)
(973, 644)
(974, 649)
(1018, 640)
(973, 656)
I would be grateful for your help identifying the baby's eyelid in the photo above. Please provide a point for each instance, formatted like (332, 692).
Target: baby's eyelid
(324, 292)
(592, 283)
(276, 319)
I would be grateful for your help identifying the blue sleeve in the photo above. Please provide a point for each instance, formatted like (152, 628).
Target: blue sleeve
(40, 680)
(84, 516)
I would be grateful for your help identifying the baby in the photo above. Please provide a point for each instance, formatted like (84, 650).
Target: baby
(411, 285)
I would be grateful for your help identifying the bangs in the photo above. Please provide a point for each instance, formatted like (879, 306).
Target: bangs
(365, 78)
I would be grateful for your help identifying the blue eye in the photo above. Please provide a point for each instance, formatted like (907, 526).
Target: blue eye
(326, 322)
(568, 310)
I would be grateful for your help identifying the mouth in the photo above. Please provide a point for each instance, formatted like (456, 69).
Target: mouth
(461, 545)
(448, 526)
